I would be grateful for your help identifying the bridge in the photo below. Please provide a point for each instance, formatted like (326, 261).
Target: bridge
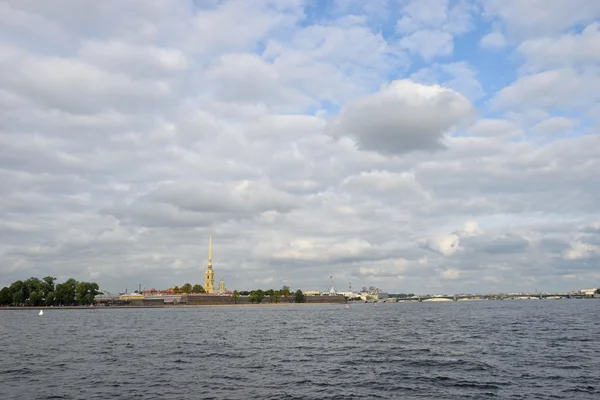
(523, 296)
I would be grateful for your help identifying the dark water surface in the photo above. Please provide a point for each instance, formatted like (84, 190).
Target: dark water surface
(544, 349)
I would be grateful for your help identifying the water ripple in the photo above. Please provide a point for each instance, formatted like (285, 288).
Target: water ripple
(465, 350)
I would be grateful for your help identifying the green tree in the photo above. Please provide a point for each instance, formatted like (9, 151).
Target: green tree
(285, 292)
(93, 291)
(186, 288)
(198, 289)
(50, 299)
(299, 296)
(275, 295)
(65, 292)
(176, 290)
(48, 285)
(32, 285)
(85, 292)
(235, 296)
(260, 295)
(36, 298)
(256, 296)
(5, 297)
(18, 298)
(598, 291)
(18, 291)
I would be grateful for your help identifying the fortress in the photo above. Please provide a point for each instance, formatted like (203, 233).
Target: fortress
(221, 296)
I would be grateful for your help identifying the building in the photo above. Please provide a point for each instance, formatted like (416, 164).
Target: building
(209, 279)
(222, 288)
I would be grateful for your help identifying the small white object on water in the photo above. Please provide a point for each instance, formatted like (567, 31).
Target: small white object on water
(41, 312)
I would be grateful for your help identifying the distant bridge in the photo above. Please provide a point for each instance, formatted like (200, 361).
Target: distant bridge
(492, 297)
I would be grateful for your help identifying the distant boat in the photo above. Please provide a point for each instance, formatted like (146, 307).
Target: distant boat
(41, 312)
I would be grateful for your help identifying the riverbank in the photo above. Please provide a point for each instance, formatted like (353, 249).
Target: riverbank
(166, 306)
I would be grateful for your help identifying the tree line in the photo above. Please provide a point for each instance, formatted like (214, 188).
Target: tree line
(188, 288)
(46, 292)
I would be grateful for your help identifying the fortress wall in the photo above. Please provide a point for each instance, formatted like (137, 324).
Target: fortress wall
(203, 299)
(325, 299)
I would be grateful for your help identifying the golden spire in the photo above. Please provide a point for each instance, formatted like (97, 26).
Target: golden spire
(210, 252)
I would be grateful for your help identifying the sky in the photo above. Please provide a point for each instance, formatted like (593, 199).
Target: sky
(422, 146)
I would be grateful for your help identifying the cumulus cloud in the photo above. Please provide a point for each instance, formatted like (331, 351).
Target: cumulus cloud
(493, 40)
(403, 116)
(555, 125)
(530, 18)
(564, 88)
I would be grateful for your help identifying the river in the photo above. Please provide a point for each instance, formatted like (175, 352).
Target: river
(538, 349)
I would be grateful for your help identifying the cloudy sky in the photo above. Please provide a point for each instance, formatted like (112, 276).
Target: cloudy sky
(423, 146)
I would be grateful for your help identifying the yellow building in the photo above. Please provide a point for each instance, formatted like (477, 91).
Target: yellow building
(209, 279)
(222, 288)
(131, 296)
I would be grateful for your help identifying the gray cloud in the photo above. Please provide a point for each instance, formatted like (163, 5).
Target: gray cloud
(403, 117)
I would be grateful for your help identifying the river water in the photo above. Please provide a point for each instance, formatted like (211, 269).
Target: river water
(543, 349)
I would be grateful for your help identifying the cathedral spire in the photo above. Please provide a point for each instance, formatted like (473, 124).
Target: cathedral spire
(210, 252)
(209, 275)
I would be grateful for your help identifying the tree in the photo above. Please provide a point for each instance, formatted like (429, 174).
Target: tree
(37, 292)
(235, 296)
(299, 296)
(36, 298)
(50, 298)
(5, 297)
(275, 295)
(176, 290)
(256, 296)
(18, 293)
(260, 295)
(18, 298)
(65, 292)
(187, 288)
(85, 293)
(598, 291)
(48, 285)
(198, 289)
(285, 292)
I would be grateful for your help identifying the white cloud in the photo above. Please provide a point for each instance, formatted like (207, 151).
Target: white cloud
(402, 117)
(460, 77)
(428, 43)
(580, 251)
(118, 56)
(495, 128)
(493, 40)
(554, 126)
(564, 88)
(527, 18)
(568, 50)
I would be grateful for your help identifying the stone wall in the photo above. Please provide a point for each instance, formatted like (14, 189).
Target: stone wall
(204, 299)
(326, 299)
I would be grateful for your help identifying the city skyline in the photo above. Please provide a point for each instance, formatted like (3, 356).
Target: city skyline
(431, 146)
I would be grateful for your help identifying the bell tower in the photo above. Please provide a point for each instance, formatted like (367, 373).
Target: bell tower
(209, 278)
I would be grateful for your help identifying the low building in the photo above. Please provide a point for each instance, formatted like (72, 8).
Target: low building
(131, 296)
(312, 293)
(171, 299)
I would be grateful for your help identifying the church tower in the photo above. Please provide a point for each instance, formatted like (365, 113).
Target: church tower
(222, 288)
(209, 280)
